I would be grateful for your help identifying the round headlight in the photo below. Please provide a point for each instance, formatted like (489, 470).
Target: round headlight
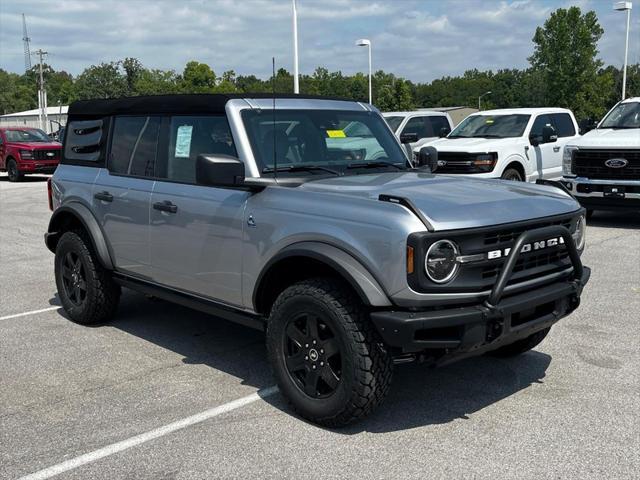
(580, 233)
(441, 262)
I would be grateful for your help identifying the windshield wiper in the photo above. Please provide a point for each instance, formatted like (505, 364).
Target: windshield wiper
(374, 165)
(486, 135)
(300, 168)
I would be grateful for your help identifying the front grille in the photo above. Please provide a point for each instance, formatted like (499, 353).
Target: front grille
(456, 162)
(511, 234)
(591, 164)
(530, 262)
(43, 154)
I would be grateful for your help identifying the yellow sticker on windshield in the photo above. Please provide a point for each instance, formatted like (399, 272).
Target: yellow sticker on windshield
(489, 120)
(336, 133)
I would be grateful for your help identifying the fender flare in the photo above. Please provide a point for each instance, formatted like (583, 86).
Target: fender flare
(516, 158)
(363, 282)
(88, 221)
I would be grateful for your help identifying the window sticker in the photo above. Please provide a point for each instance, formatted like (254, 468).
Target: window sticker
(489, 121)
(336, 134)
(183, 141)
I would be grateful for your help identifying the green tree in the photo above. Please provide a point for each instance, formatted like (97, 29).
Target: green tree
(565, 57)
(101, 81)
(198, 78)
(156, 82)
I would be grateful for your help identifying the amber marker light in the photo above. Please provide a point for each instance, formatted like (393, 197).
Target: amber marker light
(409, 259)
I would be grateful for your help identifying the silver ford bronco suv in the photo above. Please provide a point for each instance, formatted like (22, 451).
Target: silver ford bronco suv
(302, 216)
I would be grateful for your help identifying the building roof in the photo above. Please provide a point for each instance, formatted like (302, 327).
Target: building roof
(173, 104)
(35, 112)
(524, 111)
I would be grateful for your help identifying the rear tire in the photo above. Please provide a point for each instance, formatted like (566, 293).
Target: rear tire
(326, 355)
(88, 293)
(512, 174)
(521, 346)
(13, 172)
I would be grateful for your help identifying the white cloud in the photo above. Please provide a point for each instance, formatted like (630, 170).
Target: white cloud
(417, 39)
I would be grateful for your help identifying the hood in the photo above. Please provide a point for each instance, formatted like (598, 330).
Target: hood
(36, 145)
(453, 202)
(471, 144)
(608, 137)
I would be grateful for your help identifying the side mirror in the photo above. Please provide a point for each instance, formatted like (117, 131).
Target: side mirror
(586, 125)
(408, 138)
(444, 131)
(219, 171)
(428, 157)
(549, 134)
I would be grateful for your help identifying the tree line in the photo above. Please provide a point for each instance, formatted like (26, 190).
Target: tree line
(564, 71)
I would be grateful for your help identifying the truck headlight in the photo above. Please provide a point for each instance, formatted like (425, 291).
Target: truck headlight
(485, 162)
(441, 263)
(26, 154)
(567, 158)
(580, 233)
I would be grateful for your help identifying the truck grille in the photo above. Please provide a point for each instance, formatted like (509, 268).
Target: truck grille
(46, 154)
(456, 162)
(591, 164)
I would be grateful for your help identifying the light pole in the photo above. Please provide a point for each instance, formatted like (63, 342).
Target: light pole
(363, 42)
(480, 98)
(621, 7)
(296, 81)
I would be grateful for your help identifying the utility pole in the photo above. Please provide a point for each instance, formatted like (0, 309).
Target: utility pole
(42, 93)
(26, 40)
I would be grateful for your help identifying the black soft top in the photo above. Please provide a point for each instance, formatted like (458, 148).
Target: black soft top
(170, 104)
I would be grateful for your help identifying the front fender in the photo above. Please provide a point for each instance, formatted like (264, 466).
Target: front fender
(75, 211)
(364, 283)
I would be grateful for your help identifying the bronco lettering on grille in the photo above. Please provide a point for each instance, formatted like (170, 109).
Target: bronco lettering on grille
(542, 244)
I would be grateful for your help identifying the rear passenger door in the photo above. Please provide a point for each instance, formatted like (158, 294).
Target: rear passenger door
(196, 231)
(122, 191)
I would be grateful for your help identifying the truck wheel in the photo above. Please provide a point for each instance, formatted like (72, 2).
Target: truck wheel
(326, 355)
(86, 289)
(12, 171)
(512, 174)
(521, 346)
(589, 214)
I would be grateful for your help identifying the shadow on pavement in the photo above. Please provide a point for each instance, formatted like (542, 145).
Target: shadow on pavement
(419, 395)
(615, 219)
(26, 179)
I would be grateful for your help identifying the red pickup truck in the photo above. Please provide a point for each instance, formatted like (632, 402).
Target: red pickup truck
(27, 150)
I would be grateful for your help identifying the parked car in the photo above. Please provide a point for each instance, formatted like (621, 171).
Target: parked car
(602, 168)
(262, 217)
(27, 150)
(523, 144)
(417, 128)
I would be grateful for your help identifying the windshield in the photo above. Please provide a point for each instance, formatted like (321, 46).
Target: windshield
(491, 126)
(321, 142)
(624, 115)
(31, 135)
(394, 122)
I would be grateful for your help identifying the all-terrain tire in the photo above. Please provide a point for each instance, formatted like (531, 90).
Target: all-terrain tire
(97, 294)
(512, 174)
(521, 346)
(366, 367)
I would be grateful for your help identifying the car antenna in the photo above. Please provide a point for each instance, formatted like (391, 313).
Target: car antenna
(273, 116)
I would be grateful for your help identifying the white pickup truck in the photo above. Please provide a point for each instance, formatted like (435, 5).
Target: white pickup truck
(414, 129)
(602, 168)
(523, 144)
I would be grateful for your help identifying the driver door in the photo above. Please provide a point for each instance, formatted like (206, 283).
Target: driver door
(547, 156)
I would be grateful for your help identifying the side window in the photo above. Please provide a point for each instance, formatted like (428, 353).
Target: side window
(134, 146)
(564, 124)
(540, 122)
(418, 126)
(190, 136)
(437, 124)
(84, 140)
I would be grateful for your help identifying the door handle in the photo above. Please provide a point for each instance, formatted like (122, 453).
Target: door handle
(556, 149)
(103, 196)
(165, 206)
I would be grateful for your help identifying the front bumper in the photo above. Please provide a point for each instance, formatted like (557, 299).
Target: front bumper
(604, 194)
(453, 333)
(37, 167)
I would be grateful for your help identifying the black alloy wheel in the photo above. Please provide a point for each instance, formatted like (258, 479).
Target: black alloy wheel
(74, 279)
(12, 171)
(312, 355)
(513, 175)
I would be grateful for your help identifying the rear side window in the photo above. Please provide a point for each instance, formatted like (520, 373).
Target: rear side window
(84, 140)
(564, 124)
(540, 122)
(426, 126)
(190, 136)
(134, 146)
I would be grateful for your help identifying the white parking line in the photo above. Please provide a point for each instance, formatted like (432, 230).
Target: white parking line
(32, 312)
(150, 435)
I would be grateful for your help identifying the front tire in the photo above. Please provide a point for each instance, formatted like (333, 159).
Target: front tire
(521, 346)
(86, 289)
(326, 355)
(512, 174)
(13, 172)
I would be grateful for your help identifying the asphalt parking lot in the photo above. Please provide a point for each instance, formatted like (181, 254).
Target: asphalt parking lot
(106, 399)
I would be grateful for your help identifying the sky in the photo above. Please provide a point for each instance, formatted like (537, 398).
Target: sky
(416, 39)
